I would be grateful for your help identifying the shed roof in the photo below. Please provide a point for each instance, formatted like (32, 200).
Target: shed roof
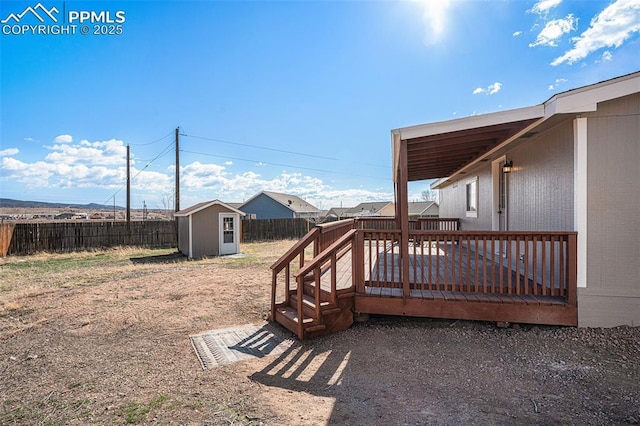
(447, 149)
(204, 205)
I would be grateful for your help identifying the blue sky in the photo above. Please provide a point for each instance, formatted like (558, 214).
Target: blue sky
(296, 97)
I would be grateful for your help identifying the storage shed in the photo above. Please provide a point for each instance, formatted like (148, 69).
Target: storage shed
(211, 228)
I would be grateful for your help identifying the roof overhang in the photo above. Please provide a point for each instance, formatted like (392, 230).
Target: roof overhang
(447, 150)
(440, 149)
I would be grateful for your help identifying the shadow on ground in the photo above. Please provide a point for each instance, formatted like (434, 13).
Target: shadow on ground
(421, 371)
(175, 257)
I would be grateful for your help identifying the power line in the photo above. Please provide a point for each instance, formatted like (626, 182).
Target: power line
(164, 152)
(284, 151)
(152, 142)
(260, 147)
(282, 165)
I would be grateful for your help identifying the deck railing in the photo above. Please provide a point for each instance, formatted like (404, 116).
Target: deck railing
(520, 263)
(437, 224)
(331, 232)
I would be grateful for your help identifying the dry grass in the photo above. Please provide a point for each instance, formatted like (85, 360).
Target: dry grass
(103, 338)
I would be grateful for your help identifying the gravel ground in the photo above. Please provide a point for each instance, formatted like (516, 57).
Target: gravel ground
(102, 339)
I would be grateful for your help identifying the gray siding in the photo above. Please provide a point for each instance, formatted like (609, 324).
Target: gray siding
(540, 188)
(205, 232)
(612, 296)
(453, 201)
(183, 235)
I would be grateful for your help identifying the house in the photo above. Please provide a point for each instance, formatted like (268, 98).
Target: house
(419, 209)
(568, 164)
(211, 228)
(274, 205)
(335, 213)
(546, 199)
(380, 208)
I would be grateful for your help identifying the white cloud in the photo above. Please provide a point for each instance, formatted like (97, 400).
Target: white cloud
(610, 28)
(557, 82)
(111, 152)
(606, 57)
(434, 17)
(29, 139)
(8, 152)
(72, 165)
(63, 139)
(489, 90)
(543, 6)
(101, 165)
(517, 33)
(554, 30)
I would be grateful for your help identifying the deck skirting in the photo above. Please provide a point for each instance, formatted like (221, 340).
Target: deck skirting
(458, 305)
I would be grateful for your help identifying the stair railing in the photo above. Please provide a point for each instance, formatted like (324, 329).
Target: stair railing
(331, 254)
(284, 263)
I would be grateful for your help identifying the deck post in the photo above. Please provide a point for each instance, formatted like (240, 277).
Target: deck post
(357, 262)
(274, 283)
(402, 213)
(572, 265)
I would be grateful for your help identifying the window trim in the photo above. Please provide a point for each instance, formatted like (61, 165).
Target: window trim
(471, 183)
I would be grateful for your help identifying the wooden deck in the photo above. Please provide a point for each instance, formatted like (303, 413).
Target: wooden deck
(519, 277)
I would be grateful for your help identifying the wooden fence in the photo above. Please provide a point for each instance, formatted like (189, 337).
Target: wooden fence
(62, 237)
(274, 229)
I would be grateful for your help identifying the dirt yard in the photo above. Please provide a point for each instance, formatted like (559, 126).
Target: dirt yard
(103, 338)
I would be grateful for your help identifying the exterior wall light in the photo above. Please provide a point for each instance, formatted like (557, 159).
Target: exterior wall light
(507, 167)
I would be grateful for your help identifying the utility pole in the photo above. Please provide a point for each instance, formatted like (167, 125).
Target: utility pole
(177, 200)
(128, 190)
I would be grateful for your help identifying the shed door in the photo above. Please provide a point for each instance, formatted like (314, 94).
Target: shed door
(229, 227)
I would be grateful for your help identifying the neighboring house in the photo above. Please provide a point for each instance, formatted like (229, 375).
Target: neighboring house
(71, 215)
(568, 164)
(235, 205)
(423, 209)
(335, 213)
(211, 228)
(381, 208)
(274, 205)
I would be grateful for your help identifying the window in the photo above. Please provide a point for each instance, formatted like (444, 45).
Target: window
(227, 229)
(472, 197)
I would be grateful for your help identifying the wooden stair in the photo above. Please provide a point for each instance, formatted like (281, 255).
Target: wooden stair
(322, 310)
(333, 316)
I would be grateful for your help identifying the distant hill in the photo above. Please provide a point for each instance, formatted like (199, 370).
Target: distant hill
(8, 203)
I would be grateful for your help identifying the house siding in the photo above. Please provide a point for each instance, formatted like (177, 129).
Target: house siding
(540, 188)
(453, 201)
(265, 207)
(612, 295)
